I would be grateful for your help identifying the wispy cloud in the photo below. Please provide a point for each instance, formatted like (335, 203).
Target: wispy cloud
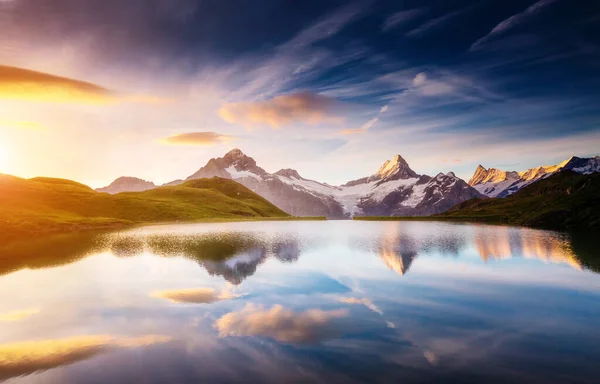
(198, 138)
(366, 126)
(366, 302)
(512, 22)
(399, 18)
(436, 23)
(305, 107)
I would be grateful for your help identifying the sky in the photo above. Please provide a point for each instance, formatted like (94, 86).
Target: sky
(96, 89)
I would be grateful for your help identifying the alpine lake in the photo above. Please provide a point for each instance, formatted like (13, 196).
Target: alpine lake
(302, 302)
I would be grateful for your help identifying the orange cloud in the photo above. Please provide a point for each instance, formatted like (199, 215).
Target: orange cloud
(198, 138)
(453, 161)
(21, 124)
(18, 315)
(24, 84)
(281, 324)
(27, 85)
(305, 107)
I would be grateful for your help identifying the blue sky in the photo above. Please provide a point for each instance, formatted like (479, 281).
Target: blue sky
(332, 89)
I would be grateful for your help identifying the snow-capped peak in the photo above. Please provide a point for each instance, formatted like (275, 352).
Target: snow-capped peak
(491, 175)
(397, 167)
(289, 173)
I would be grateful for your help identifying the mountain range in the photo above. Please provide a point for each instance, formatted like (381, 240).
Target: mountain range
(494, 182)
(393, 190)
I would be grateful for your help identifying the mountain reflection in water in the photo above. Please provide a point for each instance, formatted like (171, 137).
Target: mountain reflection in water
(301, 301)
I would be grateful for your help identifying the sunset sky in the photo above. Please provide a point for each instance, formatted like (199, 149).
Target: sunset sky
(92, 90)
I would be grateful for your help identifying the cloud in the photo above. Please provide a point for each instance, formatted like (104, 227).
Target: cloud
(512, 21)
(452, 161)
(22, 124)
(195, 296)
(28, 85)
(303, 107)
(198, 138)
(428, 87)
(366, 302)
(23, 84)
(18, 315)
(281, 324)
(363, 128)
(399, 18)
(24, 358)
(366, 126)
(436, 23)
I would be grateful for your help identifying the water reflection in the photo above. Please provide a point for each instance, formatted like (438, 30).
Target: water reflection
(177, 304)
(505, 243)
(195, 295)
(25, 358)
(282, 324)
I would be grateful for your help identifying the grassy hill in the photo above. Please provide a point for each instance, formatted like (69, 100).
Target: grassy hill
(566, 200)
(42, 205)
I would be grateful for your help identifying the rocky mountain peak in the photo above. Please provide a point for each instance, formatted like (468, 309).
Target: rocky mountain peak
(491, 175)
(234, 154)
(289, 173)
(396, 168)
(234, 160)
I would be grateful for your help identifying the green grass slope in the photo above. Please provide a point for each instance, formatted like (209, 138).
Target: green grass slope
(566, 200)
(49, 205)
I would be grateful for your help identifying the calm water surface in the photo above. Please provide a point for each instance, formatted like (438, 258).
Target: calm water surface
(275, 302)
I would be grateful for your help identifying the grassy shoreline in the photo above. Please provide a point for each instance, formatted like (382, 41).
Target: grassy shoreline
(122, 225)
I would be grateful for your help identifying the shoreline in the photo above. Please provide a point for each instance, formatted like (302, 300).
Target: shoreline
(121, 225)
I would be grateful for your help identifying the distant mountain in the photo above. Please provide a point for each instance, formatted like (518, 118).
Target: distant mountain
(563, 200)
(127, 184)
(395, 189)
(493, 182)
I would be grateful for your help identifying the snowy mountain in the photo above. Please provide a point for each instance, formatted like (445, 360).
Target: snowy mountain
(127, 184)
(395, 189)
(493, 182)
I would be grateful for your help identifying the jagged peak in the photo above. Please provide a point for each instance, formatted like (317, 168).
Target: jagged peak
(397, 165)
(289, 173)
(235, 153)
(451, 174)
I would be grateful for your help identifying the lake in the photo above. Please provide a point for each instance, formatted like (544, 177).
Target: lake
(323, 301)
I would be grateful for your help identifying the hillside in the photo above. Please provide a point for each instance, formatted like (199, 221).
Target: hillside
(48, 205)
(565, 200)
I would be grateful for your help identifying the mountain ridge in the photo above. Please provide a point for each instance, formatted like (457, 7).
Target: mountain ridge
(394, 189)
(493, 182)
